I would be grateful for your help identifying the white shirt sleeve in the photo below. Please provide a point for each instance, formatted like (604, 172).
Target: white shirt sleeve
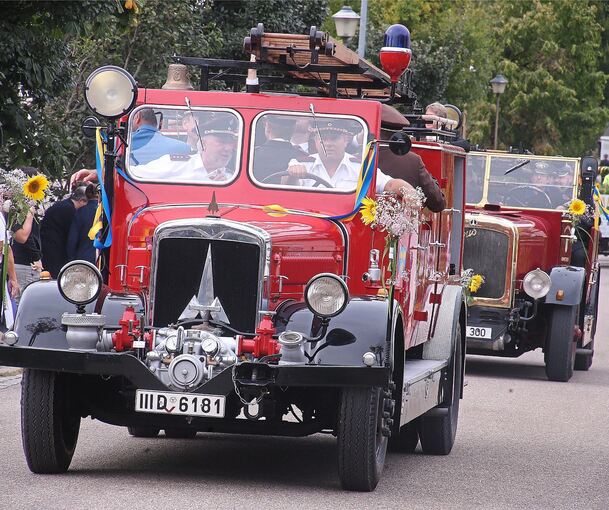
(381, 181)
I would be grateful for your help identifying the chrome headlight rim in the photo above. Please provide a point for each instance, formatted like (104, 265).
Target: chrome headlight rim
(127, 105)
(343, 287)
(89, 266)
(531, 277)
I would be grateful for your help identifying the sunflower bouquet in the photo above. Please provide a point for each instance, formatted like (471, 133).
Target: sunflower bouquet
(20, 192)
(471, 283)
(577, 210)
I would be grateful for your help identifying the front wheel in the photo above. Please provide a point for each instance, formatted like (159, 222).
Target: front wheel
(438, 426)
(50, 421)
(361, 444)
(560, 346)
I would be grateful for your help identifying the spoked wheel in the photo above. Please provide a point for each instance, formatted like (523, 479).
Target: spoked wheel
(178, 433)
(50, 421)
(560, 346)
(143, 431)
(361, 444)
(438, 426)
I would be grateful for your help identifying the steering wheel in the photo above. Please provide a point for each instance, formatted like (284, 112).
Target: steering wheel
(511, 194)
(318, 180)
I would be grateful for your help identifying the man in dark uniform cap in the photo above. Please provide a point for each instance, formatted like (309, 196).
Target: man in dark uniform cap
(218, 142)
(410, 166)
(276, 152)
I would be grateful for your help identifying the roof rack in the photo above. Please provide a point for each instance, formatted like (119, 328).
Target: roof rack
(313, 60)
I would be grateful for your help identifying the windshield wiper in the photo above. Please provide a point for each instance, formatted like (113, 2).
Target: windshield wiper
(317, 129)
(510, 170)
(187, 101)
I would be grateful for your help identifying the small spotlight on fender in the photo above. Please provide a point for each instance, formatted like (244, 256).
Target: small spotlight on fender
(369, 359)
(560, 295)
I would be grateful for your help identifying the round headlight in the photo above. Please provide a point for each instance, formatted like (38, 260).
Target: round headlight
(79, 282)
(326, 295)
(536, 283)
(110, 91)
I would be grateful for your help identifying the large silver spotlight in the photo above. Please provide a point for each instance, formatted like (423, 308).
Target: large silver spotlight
(326, 295)
(110, 91)
(536, 283)
(79, 282)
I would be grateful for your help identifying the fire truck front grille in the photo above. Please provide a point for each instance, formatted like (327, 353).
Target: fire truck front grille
(180, 275)
(486, 252)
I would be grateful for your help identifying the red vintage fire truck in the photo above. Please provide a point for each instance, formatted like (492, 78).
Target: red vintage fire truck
(537, 258)
(233, 297)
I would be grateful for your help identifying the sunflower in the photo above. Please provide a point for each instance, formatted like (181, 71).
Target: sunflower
(476, 282)
(368, 211)
(35, 186)
(577, 207)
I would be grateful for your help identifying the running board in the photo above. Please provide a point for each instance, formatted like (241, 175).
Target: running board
(421, 389)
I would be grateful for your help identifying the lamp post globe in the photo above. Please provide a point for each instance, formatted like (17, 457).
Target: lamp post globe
(498, 84)
(346, 21)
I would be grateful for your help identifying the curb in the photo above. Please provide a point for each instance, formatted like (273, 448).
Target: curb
(9, 371)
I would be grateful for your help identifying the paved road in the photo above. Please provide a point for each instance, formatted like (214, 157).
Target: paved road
(523, 442)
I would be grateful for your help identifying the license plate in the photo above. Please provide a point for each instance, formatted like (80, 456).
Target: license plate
(477, 332)
(188, 404)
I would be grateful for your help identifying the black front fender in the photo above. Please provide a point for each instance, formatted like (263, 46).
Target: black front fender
(364, 317)
(38, 319)
(570, 280)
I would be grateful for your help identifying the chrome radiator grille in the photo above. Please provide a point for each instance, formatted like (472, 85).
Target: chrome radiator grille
(206, 260)
(486, 252)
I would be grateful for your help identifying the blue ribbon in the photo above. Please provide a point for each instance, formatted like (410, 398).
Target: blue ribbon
(363, 191)
(105, 202)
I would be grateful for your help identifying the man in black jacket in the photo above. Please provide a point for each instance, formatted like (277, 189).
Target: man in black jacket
(80, 246)
(55, 227)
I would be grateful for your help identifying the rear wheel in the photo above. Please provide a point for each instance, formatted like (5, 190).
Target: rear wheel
(361, 444)
(560, 346)
(50, 421)
(438, 426)
(406, 440)
(143, 431)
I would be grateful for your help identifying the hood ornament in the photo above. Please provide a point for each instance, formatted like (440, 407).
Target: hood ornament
(205, 304)
(213, 206)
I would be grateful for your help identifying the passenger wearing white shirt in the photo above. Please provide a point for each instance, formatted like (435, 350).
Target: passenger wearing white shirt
(334, 165)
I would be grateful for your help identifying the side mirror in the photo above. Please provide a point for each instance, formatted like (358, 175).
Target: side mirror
(89, 126)
(400, 143)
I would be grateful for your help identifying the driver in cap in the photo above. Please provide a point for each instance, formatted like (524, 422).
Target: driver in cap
(332, 163)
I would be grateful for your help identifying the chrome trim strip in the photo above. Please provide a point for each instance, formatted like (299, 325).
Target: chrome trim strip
(218, 230)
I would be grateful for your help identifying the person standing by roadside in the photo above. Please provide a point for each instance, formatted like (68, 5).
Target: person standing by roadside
(27, 250)
(55, 227)
(11, 288)
(79, 245)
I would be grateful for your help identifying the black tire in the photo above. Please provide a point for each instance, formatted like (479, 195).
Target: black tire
(143, 431)
(178, 433)
(361, 445)
(438, 426)
(406, 440)
(583, 361)
(50, 421)
(560, 346)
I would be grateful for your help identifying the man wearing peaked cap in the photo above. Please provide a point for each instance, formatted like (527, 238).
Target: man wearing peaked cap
(333, 164)
(217, 146)
(410, 166)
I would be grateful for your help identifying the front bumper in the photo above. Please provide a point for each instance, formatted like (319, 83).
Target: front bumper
(132, 369)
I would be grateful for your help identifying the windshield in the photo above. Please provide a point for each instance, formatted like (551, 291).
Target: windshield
(313, 151)
(184, 145)
(531, 181)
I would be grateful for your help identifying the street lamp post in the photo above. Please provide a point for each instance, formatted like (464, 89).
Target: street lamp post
(498, 84)
(346, 23)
